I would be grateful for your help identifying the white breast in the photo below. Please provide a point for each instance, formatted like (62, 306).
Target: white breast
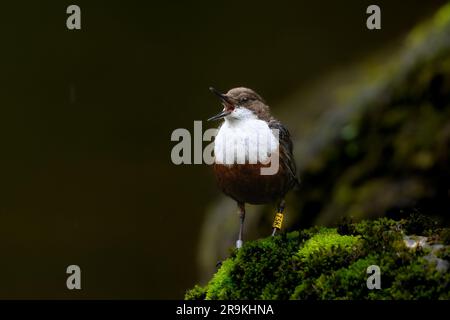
(242, 141)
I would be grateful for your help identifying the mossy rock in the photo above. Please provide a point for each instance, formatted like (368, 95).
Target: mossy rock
(331, 263)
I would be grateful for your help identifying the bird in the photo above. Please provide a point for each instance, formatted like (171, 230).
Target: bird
(248, 140)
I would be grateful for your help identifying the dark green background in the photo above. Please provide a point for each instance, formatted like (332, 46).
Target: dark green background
(86, 118)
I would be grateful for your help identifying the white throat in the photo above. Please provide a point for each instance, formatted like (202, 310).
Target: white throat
(243, 138)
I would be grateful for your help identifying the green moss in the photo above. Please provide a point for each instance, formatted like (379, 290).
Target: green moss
(196, 293)
(331, 263)
(325, 251)
(345, 283)
(420, 224)
(325, 240)
(445, 236)
(220, 281)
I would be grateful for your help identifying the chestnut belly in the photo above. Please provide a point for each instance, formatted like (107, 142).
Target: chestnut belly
(244, 183)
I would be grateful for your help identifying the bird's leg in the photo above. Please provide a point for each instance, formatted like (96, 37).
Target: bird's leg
(241, 224)
(278, 218)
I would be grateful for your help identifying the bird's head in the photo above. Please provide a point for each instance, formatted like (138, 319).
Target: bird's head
(239, 104)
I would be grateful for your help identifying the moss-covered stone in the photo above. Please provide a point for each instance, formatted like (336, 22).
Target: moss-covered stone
(331, 263)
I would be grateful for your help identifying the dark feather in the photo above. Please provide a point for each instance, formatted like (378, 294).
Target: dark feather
(286, 150)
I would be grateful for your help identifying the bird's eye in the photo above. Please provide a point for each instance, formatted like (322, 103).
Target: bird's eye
(243, 99)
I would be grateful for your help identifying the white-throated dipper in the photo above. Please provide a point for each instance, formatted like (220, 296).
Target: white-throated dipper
(248, 140)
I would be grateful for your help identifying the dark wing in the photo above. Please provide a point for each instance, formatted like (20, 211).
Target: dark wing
(286, 148)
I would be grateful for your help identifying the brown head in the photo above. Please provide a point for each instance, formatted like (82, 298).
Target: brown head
(241, 102)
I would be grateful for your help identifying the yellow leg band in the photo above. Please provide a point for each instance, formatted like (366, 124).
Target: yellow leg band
(277, 223)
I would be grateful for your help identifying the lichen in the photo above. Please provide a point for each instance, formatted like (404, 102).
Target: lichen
(331, 263)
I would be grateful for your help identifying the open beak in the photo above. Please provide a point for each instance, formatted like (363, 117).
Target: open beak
(227, 104)
(221, 115)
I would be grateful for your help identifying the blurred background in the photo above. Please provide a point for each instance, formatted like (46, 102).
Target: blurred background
(86, 119)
